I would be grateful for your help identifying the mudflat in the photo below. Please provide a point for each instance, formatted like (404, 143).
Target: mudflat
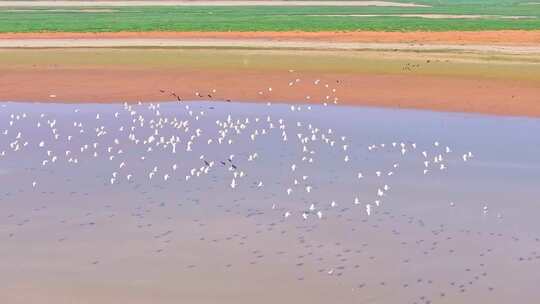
(479, 83)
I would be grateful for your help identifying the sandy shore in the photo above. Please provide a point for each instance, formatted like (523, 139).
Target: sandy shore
(436, 81)
(509, 37)
(262, 44)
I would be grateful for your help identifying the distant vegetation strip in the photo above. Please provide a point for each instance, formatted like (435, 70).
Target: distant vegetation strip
(244, 18)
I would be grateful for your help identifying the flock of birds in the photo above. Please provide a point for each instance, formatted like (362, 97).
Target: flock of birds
(282, 172)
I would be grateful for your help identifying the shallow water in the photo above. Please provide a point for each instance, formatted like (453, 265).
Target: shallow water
(464, 234)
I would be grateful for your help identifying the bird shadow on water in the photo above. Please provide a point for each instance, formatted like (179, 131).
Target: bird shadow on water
(368, 204)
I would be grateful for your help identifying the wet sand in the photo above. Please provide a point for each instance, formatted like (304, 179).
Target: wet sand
(499, 84)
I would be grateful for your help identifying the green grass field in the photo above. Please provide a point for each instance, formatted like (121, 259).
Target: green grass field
(273, 18)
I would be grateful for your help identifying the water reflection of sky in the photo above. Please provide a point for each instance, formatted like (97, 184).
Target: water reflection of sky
(414, 246)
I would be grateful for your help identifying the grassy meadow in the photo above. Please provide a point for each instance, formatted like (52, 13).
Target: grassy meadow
(250, 18)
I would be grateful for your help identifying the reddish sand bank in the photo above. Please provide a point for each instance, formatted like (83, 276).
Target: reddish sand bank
(489, 96)
(482, 37)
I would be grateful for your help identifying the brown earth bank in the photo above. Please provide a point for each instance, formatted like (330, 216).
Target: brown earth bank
(450, 37)
(501, 84)
(103, 85)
